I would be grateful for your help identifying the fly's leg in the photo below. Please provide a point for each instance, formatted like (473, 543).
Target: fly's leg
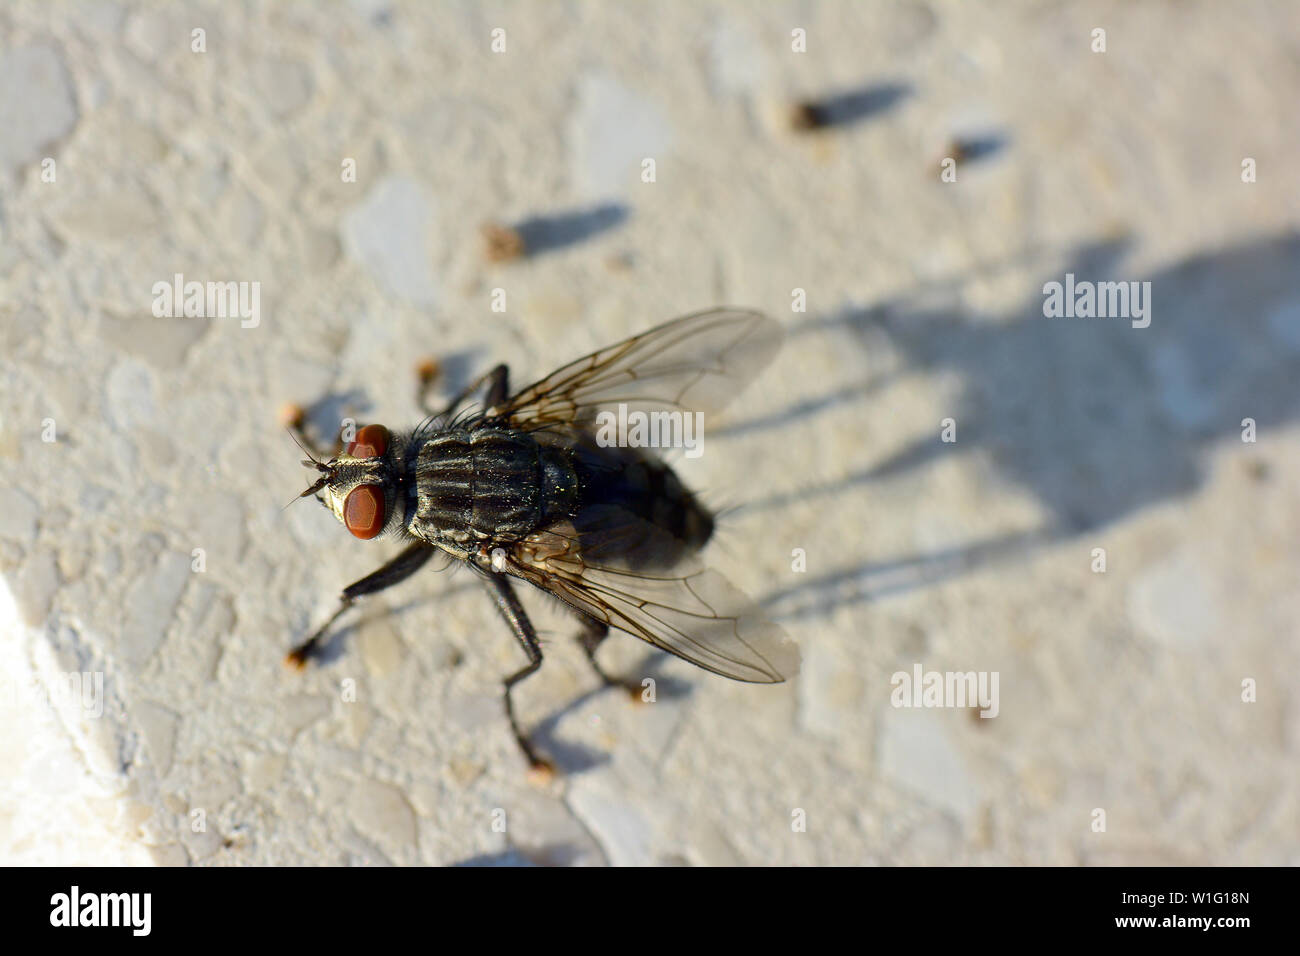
(395, 571)
(499, 387)
(497, 381)
(592, 633)
(507, 603)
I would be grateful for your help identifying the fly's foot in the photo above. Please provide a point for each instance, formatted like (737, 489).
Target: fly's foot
(292, 415)
(502, 243)
(298, 657)
(541, 772)
(427, 371)
(636, 691)
(592, 633)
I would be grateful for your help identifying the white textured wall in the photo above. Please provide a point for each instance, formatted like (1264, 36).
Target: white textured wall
(1119, 691)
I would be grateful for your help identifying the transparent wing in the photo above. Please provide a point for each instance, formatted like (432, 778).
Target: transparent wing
(695, 614)
(613, 564)
(696, 363)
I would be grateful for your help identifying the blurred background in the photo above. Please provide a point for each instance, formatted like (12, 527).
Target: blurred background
(633, 164)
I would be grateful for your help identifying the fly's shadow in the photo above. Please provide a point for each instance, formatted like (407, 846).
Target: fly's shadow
(575, 758)
(548, 854)
(1095, 418)
(322, 420)
(335, 646)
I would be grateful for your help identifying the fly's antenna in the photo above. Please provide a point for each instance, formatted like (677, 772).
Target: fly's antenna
(311, 461)
(316, 486)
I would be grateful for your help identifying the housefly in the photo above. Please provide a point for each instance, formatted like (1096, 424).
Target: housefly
(521, 489)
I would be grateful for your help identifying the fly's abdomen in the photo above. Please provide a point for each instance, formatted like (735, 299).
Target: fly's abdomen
(489, 483)
(650, 491)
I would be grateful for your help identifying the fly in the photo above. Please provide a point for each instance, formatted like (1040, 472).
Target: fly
(520, 489)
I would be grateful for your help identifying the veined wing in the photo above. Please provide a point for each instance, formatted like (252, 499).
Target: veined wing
(695, 613)
(696, 363)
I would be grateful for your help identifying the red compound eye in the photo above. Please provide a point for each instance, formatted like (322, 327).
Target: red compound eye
(363, 511)
(371, 442)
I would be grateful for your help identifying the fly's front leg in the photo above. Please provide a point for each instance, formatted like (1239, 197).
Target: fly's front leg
(395, 571)
(592, 633)
(497, 381)
(499, 389)
(512, 610)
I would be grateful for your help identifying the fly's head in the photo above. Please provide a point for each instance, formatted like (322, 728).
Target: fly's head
(361, 485)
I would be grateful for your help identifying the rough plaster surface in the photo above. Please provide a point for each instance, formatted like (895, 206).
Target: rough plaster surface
(1120, 691)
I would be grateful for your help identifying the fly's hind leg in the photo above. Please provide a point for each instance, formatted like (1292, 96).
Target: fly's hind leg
(512, 611)
(395, 571)
(497, 380)
(592, 633)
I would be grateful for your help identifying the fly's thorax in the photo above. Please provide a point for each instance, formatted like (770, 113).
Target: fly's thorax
(488, 483)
